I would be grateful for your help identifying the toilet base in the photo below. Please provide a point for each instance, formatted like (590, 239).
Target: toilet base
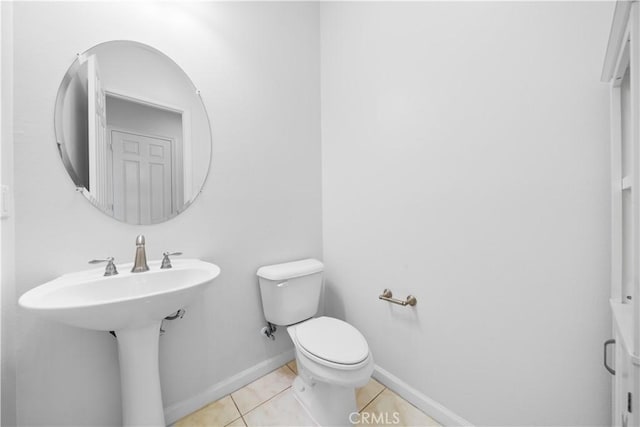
(327, 404)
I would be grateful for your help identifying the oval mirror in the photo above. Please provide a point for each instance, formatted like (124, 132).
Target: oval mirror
(132, 132)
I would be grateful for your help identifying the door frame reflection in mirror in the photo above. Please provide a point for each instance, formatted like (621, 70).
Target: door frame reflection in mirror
(186, 178)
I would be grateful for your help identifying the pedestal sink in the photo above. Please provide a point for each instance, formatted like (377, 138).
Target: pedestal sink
(133, 305)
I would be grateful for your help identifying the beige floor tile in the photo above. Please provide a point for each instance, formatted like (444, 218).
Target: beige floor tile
(390, 409)
(282, 410)
(366, 394)
(218, 413)
(262, 389)
(293, 366)
(237, 423)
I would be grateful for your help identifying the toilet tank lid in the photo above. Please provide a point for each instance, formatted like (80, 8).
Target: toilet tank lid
(289, 270)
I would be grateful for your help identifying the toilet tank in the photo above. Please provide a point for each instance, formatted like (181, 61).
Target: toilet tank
(290, 291)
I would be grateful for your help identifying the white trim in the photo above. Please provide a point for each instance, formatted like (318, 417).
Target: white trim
(634, 64)
(622, 63)
(3, 125)
(187, 160)
(144, 101)
(618, 30)
(435, 410)
(92, 90)
(617, 181)
(180, 409)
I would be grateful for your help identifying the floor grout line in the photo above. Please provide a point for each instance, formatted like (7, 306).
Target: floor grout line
(236, 405)
(371, 401)
(231, 394)
(233, 421)
(271, 398)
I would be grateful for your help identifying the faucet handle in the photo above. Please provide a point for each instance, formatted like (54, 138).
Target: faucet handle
(166, 262)
(110, 269)
(98, 261)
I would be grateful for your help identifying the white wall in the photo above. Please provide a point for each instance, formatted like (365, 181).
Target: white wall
(258, 71)
(7, 225)
(465, 161)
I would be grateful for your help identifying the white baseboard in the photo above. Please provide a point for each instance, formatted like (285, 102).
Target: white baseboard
(178, 410)
(435, 410)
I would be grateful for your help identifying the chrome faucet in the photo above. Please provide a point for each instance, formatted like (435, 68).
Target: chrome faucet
(140, 261)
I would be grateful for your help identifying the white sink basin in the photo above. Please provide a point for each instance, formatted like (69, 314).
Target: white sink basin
(127, 300)
(133, 305)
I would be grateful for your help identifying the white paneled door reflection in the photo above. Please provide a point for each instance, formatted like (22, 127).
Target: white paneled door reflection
(142, 171)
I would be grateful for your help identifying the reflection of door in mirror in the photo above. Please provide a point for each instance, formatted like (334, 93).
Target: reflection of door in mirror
(142, 171)
(146, 142)
(99, 180)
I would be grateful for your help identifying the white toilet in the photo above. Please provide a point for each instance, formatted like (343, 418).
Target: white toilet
(333, 357)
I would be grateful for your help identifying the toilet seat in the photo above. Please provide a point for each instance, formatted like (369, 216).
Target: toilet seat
(314, 368)
(332, 342)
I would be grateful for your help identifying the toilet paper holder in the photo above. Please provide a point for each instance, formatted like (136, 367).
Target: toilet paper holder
(387, 295)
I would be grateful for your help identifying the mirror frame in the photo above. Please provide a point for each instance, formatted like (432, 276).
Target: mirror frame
(59, 129)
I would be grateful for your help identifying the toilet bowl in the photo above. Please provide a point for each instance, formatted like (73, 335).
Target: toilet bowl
(333, 359)
(332, 356)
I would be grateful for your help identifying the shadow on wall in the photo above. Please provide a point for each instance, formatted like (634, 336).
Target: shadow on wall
(333, 305)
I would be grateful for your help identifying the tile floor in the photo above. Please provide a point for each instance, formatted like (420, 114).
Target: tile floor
(269, 401)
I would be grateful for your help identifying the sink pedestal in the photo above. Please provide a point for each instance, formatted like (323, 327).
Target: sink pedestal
(140, 376)
(133, 305)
